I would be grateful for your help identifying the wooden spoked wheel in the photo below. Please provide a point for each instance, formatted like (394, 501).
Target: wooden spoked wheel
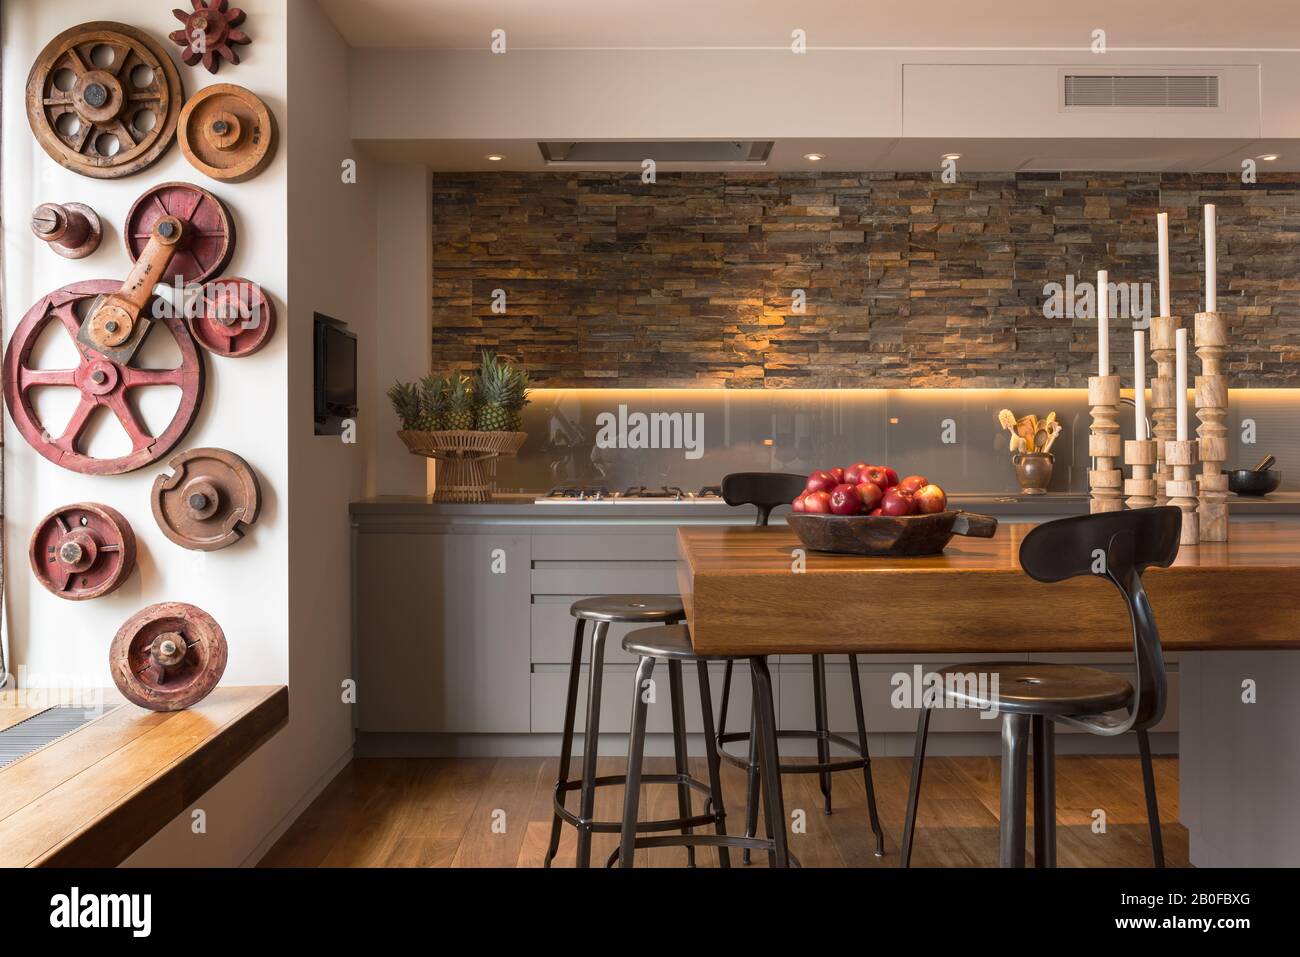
(103, 99)
(102, 382)
(79, 552)
(209, 239)
(168, 656)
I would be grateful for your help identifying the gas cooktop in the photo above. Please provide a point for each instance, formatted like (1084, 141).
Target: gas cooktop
(633, 495)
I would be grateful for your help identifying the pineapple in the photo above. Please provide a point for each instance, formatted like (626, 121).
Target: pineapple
(433, 403)
(405, 397)
(518, 398)
(494, 392)
(460, 405)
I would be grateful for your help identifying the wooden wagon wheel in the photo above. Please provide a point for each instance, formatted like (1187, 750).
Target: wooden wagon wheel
(209, 231)
(101, 382)
(168, 656)
(79, 552)
(103, 99)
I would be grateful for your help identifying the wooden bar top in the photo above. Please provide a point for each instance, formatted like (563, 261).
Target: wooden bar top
(94, 796)
(745, 594)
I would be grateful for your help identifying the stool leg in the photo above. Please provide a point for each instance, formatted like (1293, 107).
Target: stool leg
(566, 741)
(1011, 826)
(751, 782)
(595, 673)
(914, 791)
(726, 699)
(679, 747)
(866, 756)
(635, 752)
(823, 745)
(1044, 733)
(770, 761)
(1153, 808)
(714, 763)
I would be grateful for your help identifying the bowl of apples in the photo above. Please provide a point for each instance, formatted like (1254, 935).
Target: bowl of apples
(868, 510)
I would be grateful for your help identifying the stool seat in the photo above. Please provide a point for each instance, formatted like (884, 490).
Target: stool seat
(672, 642)
(1037, 688)
(648, 609)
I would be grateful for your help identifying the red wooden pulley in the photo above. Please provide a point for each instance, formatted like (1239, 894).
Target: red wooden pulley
(209, 231)
(101, 382)
(232, 317)
(168, 656)
(208, 501)
(82, 551)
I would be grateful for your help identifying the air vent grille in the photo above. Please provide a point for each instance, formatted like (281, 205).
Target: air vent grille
(41, 729)
(1096, 91)
(726, 152)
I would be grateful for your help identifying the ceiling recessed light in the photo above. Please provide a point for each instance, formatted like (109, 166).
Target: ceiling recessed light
(1268, 157)
(494, 157)
(952, 156)
(814, 157)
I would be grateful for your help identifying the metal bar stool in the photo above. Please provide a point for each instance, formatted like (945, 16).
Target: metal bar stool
(767, 490)
(1032, 698)
(673, 644)
(635, 609)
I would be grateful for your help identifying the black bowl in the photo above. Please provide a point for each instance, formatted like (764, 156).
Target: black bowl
(1250, 482)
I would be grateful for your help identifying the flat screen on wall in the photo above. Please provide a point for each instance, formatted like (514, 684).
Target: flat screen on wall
(335, 375)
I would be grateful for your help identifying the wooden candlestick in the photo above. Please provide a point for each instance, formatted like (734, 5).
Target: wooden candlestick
(1181, 486)
(1107, 478)
(1212, 410)
(1141, 488)
(1164, 415)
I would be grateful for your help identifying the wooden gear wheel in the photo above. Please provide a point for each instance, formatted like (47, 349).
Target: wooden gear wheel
(208, 501)
(211, 30)
(103, 99)
(209, 230)
(232, 317)
(168, 656)
(227, 133)
(79, 552)
(101, 381)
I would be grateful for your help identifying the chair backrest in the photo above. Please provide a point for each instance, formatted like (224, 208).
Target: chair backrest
(1118, 546)
(766, 490)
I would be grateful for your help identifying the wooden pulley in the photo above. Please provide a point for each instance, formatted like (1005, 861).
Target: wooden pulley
(168, 656)
(210, 34)
(102, 383)
(227, 132)
(103, 99)
(80, 552)
(207, 239)
(208, 501)
(73, 230)
(232, 317)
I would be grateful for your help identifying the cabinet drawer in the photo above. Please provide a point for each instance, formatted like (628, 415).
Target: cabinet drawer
(552, 633)
(617, 545)
(604, 578)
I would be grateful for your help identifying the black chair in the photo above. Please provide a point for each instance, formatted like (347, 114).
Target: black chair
(1117, 546)
(767, 490)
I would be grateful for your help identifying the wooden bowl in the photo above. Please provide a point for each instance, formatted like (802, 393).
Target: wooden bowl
(886, 534)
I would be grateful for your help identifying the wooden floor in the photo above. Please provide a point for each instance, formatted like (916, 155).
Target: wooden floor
(496, 812)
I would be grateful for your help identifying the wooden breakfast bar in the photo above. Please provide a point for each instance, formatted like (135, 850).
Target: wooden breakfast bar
(756, 591)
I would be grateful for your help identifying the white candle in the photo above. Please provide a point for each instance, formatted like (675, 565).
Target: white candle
(1180, 382)
(1140, 384)
(1103, 324)
(1211, 279)
(1162, 249)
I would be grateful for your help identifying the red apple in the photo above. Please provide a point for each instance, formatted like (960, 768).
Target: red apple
(876, 511)
(895, 502)
(820, 481)
(876, 474)
(845, 500)
(891, 477)
(913, 483)
(797, 504)
(838, 473)
(930, 499)
(853, 474)
(870, 494)
(817, 502)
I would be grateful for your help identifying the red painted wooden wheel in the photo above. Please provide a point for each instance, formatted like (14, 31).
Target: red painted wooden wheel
(232, 317)
(101, 382)
(168, 656)
(79, 552)
(209, 235)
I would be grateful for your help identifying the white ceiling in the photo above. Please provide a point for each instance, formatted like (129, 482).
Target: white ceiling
(919, 24)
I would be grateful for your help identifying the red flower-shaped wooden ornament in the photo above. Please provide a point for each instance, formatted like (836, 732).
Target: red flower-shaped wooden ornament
(211, 30)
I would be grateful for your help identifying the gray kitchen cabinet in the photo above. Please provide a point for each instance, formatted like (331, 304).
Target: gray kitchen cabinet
(442, 630)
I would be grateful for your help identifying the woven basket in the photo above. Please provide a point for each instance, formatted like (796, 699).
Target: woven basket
(465, 458)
